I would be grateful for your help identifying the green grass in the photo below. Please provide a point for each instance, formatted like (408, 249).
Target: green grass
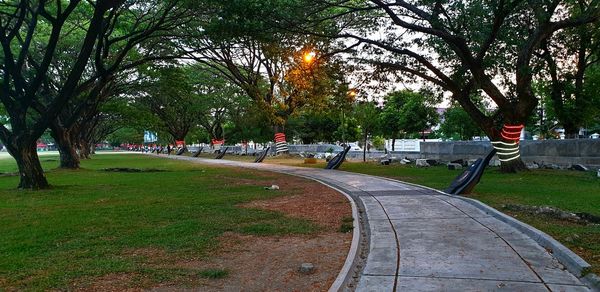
(213, 273)
(567, 190)
(92, 222)
(347, 225)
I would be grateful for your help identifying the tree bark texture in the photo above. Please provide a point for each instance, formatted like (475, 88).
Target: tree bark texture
(513, 166)
(69, 159)
(31, 173)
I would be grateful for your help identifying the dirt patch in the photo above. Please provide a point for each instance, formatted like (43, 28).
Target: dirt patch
(314, 202)
(255, 263)
(554, 213)
(127, 169)
(111, 283)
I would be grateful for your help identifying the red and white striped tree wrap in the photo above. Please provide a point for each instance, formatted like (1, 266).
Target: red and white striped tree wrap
(511, 133)
(508, 149)
(280, 143)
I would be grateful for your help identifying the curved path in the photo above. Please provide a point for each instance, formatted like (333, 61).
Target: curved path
(418, 239)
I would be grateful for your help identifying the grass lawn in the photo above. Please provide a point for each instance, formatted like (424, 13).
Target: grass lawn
(567, 190)
(93, 222)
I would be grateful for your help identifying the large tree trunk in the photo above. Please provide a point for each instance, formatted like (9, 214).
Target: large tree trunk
(571, 131)
(30, 169)
(513, 166)
(66, 148)
(84, 150)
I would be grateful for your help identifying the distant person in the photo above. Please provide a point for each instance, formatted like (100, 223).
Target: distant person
(169, 149)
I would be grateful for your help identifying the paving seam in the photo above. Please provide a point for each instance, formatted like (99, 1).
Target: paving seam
(502, 238)
(430, 218)
(420, 189)
(573, 263)
(468, 216)
(469, 278)
(465, 278)
(391, 226)
(395, 237)
(488, 279)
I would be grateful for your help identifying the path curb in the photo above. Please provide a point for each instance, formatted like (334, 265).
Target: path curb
(344, 277)
(354, 264)
(573, 263)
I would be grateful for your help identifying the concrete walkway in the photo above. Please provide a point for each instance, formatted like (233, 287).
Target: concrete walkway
(418, 239)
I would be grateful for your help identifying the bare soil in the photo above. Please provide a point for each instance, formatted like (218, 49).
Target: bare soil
(257, 263)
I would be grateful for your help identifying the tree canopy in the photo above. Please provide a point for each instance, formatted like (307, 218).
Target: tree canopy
(244, 70)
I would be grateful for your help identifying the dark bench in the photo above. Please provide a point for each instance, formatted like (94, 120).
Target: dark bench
(262, 155)
(198, 152)
(338, 159)
(468, 179)
(222, 153)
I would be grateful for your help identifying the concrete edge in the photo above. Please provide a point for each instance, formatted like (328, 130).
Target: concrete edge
(593, 281)
(345, 274)
(353, 266)
(573, 263)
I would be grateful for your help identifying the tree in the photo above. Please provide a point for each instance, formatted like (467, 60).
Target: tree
(77, 120)
(184, 96)
(281, 72)
(462, 47)
(53, 52)
(219, 99)
(417, 114)
(125, 135)
(167, 93)
(458, 125)
(407, 112)
(313, 126)
(25, 67)
(275, 76)
(390, 115)
(571, 76)
(367, 115)
(326, 123)
(133, 35)
(246, 122)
